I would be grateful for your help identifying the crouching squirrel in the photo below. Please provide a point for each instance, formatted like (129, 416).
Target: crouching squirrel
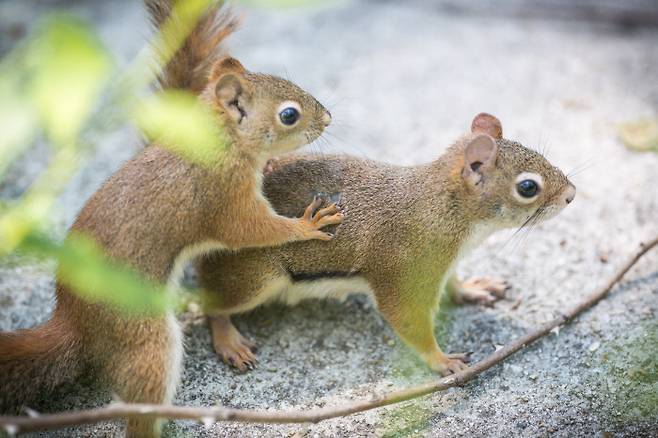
(404, 230)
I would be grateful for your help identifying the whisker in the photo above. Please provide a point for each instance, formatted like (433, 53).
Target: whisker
(585, 165)
(523, 231)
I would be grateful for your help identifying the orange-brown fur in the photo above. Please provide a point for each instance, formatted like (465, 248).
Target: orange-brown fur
(152, 210)
(403, 232)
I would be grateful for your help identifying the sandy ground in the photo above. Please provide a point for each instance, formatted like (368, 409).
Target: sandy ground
(402, 83)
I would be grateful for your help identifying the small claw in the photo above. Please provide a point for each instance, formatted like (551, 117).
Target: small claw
(331, 209)
(330, 220)
(308, 213)
(321, 235)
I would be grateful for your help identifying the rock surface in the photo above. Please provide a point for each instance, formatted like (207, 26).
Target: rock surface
(403, 81)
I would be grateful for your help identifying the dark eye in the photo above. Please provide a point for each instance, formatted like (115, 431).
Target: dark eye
(289, 116)
(527, 188)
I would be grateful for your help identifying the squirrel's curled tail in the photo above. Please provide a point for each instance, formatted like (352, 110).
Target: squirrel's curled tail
(34, 361)
(188, 68)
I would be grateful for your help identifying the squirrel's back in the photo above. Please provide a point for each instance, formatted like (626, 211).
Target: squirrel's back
(189, 65)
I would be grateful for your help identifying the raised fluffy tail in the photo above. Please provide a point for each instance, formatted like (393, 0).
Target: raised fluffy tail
(34, 361)
(190, 65)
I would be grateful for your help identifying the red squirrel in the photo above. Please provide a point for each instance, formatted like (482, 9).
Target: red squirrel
(157, 212)
(405, 229)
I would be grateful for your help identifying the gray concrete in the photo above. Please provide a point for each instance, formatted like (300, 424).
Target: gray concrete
(403, 82)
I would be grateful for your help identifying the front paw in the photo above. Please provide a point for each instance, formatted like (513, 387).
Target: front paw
(270, 165)
(484, 291)
(313, 221)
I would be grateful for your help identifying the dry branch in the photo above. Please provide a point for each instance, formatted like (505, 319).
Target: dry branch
(209, 415)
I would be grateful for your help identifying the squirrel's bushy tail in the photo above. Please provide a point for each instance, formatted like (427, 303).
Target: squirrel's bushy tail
(189, 66)
(34, 361)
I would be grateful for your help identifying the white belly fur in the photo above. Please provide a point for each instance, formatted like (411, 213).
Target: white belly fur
(175, 353)
(337, 288)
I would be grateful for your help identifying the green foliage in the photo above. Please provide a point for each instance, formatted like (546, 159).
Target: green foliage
(50, 84)
(86, 269)
(180, 122)
(631, 378)
(55, 85)
(68, 69)
(61, 85)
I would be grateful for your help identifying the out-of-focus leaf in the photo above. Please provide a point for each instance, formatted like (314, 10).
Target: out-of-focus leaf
(70, 68)
(32, 211)
(18, 127)
(19, 123)
(641, 135)
(180, 122)
(174, 31)
(88, 272)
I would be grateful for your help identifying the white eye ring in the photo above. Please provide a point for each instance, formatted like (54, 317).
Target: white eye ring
(523, 176)
(284, 106)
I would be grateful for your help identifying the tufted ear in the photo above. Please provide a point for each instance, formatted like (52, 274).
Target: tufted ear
(226, 65)
(479, 158)
(485, 123)
(232, 91)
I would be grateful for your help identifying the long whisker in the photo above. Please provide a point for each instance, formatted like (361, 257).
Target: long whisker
(526, 226)
(532, 226)
(583, 166)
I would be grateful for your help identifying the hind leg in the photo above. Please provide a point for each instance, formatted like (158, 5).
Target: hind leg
(232, 284)
(230, 345)
(146, 367)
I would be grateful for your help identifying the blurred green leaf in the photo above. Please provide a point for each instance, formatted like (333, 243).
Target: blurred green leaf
(640, 135)
(69, 68)
(53, 83)
(179, 121)
(18, 126)
(174, 31)
(84, 268)
(32, 211)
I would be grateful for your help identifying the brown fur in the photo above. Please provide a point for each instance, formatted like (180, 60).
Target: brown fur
(148, 214)
(403, 231)
(188, 68)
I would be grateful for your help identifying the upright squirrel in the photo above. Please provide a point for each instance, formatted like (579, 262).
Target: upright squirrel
(157, 212)
(427, 218)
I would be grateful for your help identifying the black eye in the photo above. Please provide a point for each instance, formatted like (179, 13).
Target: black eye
(289, 116)
(527, 188)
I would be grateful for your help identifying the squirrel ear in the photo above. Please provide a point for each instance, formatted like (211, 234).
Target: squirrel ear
(485, 123)
(232, 96)
(479, 157)
(226, 65)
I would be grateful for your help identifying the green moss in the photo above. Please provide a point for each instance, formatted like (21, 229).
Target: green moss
(630, 384)
(411, 420)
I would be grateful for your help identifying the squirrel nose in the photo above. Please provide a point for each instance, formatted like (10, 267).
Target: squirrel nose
(326, 118)
(570, 194)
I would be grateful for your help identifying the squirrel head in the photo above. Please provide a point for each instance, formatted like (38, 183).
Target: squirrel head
(508, 184)
(262, 110)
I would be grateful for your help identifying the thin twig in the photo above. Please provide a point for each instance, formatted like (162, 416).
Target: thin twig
(209, 415)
